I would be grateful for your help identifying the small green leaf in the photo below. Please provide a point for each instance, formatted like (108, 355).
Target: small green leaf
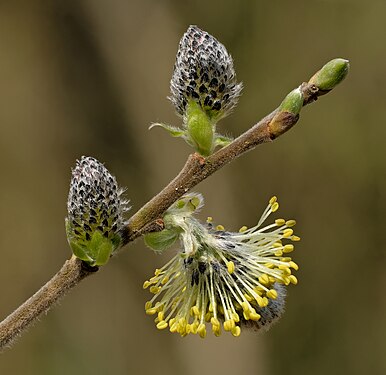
(80, 252)
(100, 248)
(173, 130)
(222, 140)
(160, 241)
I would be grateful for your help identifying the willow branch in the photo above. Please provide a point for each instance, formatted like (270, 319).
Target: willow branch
(149, 217)
(72, 272)
(198, 168)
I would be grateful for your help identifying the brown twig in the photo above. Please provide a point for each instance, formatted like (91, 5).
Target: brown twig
(72, 272)
(148, 217)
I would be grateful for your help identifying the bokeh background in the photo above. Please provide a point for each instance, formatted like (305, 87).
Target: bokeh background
(88, 78)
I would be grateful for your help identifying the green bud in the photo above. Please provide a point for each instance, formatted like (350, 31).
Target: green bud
(95, 212)
(331, 74)
(293, 102)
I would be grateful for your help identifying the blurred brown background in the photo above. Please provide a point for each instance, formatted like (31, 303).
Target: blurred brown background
(88, 77)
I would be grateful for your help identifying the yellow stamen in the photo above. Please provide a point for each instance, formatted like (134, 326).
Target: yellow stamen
(272, 293)
(290, 223)
(288, 248)
(236, 331)
(288, 233)
(162, 324)
(231, 267)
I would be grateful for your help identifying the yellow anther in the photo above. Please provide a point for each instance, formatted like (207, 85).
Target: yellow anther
(209, 219)
(216, 331)
(262, 302)
(286, 280)
(278, 244)
(231, 267)
(173, 327)
(193, 327)
(201, 330)
(220, 227)
(182, 325)
(275, 207)
(295, 238)
(165, 280)
(288, 233)
(286, 271)
(288, 248)
(235, 317)
(273, 200)
(157, 272)
(195, 310)
(286, 259)
(293, 279)
(279, 222)
(229, 325)
(272, 279)
(148, 305)
(264, 279)
(161, 315)
(245, 306)
(151, 311)
(290, 223)
(269, 265)
(215, 322)
(155, 289)
(293, 265)
(236, 331)
(162, 324)
(188, 329)
(243, 229)
(183, 289)
(254, 316)
(208, 316)
(146, 284)
(278, 253)
(272, 293)
(248, 297)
